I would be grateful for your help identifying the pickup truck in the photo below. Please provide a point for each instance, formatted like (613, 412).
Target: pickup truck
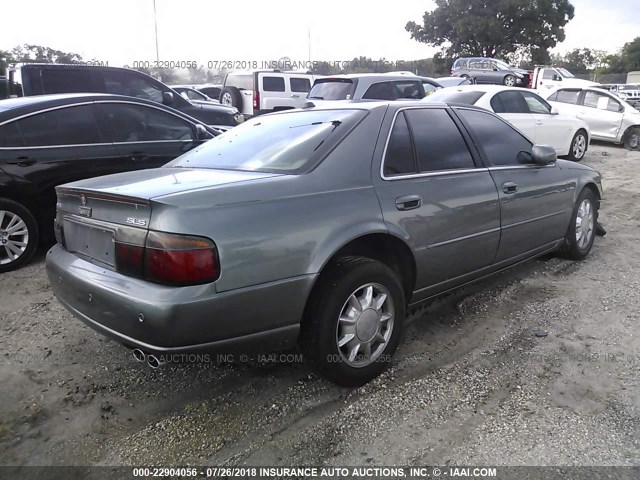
(548, 78)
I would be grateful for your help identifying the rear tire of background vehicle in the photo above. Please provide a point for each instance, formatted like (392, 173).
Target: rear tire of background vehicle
(509, 81)
(582, 228)
(632, 139)
(353, 321)
(18, 235)
(578, 147)
(232, 97)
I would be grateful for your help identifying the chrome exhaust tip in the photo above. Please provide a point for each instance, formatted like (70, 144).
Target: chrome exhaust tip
(154, 362)
(139, 355)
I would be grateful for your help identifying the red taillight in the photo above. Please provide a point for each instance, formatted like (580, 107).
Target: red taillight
(256, 100)
(170, 259)
(129, 259)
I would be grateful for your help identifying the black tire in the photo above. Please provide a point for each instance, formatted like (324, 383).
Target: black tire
(509, 80)
(232, 95)
(329, 299)
(575, 154)
(632, 139)
(9, 212)
(571, 248)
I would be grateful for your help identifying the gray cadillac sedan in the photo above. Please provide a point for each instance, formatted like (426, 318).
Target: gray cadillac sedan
(316, 227)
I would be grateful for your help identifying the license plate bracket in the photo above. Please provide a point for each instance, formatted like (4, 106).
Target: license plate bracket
(95, 242)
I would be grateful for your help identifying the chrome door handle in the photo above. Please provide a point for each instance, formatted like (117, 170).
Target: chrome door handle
(293, 95)
(509, 187)
(408, 202)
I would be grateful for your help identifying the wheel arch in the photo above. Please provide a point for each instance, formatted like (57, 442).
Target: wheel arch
(377, 245)
(627, 131)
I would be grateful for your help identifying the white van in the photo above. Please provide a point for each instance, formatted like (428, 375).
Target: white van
(255, 92)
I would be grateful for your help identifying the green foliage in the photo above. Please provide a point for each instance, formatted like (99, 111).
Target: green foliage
(494, 27)
(37, 53)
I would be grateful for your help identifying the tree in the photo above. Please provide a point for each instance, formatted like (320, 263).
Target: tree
(494, 27)
(37, 53)
(631, 55)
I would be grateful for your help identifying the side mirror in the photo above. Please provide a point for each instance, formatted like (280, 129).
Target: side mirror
(554, 110)
(167, 98)
(621, 108)
(543, 154)
(201, 133)
(557, 78)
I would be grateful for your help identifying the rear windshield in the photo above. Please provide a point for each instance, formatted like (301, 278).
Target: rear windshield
(467, 97)
(332, 89)
(280, 143)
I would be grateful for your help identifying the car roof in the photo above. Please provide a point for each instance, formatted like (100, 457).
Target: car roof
(374, 104)
(13, 107)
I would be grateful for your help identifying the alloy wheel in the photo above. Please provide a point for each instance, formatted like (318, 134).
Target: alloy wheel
(14, 237)
(579, 146)
(584, 223)
(365, 325)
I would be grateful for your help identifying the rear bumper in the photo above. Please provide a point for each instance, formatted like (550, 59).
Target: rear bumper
(179, 319)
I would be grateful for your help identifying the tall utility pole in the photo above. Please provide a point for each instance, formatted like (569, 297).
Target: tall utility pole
(155, 21)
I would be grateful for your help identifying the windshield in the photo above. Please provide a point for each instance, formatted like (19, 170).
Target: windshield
(502, 66)
(332, 89)
(281, 143)
(452, 95)
(565, 73)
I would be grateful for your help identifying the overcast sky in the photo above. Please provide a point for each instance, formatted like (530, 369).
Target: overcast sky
(122, 31)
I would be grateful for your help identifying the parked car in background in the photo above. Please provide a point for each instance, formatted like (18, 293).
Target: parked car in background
(193, 95)
(371, 86)
(263, 91)
(489, 70)
(454, 81)
(48, 140)
(633, 77)
(629, 93)
(610, 118)
(210, 90)
(352, 213)
(548, 78)
(528, 112)
(48, 78)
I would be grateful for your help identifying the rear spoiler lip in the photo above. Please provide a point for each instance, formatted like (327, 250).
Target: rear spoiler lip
(111, 197)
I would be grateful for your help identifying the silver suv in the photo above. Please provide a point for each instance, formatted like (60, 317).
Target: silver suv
(372, 86)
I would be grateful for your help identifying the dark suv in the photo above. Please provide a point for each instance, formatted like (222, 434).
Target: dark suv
(41, 79)
(490, 70)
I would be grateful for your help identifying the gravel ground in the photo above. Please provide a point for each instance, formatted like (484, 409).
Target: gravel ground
(471, 382)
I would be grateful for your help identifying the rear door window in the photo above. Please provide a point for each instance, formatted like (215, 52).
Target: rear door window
(10, 135)
(333, 89)
(438, 142)
(399, 158)
(300, 84)
(382, 91)
(66, 81)
(273, 84)
(64, 126)
(138, 123)
(409, 90)
(509, 102)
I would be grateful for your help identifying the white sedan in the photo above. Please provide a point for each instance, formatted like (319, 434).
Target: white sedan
(528, 112)
(610, 118)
